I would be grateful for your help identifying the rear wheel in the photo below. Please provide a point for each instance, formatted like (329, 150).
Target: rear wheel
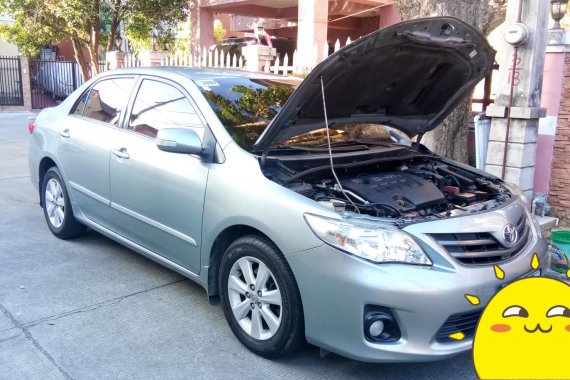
(57, 207)
(260, 297)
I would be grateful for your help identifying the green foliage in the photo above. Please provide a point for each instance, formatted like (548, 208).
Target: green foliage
(159, 16)
(183, 38)
(30, 44)
(37, 23)
(219, 31)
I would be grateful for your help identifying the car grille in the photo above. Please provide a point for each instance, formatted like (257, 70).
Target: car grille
(482, 247)
(462, 322)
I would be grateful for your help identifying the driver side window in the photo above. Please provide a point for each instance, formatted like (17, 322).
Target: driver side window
(160, 105)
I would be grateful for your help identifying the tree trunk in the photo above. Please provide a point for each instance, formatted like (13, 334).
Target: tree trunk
(116, 15)
(112, 32)
(80, 59)
(94, 34)
(450, 138)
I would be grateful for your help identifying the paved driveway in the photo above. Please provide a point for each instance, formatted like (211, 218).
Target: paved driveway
(91, 309)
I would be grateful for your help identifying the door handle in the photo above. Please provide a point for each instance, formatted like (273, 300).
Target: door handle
(121, 153)
(65, 133)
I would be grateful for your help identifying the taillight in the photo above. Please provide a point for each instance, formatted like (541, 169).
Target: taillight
(31, 126)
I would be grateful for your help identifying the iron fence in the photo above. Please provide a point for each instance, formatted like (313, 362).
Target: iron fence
(11, 93)
(52, 81)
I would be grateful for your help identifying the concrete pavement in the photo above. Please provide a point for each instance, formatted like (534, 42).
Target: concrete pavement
(91, 309)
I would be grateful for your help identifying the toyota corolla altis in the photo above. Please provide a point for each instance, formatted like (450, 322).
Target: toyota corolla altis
(304, 208)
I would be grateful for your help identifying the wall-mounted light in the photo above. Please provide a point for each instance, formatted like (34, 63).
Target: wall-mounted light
(557, 11)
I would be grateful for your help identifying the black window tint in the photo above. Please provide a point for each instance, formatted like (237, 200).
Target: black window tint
(159, 105)
(107, 99)
(78, 109)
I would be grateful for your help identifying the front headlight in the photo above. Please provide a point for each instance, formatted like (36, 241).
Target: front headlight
(380, 245)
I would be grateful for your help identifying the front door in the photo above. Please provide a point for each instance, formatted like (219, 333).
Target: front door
(157, 197)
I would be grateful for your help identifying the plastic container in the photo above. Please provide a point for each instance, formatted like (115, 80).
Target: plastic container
(482, 131)
(559, 251)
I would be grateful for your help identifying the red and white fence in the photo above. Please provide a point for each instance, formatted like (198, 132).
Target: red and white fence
(218, 59)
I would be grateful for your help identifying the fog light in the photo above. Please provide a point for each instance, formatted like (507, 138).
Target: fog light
(380, 325)
(376, 328)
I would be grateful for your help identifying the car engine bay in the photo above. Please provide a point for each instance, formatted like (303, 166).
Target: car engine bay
(411, 187)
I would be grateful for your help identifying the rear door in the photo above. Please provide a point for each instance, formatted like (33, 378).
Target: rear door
(158, 197)
(84, 145)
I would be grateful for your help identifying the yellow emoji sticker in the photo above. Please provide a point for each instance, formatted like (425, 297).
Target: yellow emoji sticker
(524, 330)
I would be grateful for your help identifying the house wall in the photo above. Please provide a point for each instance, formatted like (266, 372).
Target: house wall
(7, 49)
(65, 50)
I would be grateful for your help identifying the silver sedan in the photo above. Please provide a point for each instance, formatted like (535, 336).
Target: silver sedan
(304, 208)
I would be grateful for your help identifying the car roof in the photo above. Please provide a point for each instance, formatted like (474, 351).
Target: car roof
(197, 73)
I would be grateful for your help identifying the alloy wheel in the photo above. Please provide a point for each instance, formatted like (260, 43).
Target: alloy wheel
(55, 203)
(255, 298)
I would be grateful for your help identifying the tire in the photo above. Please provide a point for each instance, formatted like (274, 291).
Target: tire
(263, 308)
(57, 207)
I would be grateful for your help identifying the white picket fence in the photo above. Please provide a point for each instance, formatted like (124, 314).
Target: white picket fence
(217, 59)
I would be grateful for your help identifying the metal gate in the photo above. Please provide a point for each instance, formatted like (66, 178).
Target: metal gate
(52, 81)
(11, 93)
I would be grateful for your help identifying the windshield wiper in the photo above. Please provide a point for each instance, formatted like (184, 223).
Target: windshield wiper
(320, 149)
(360, 142)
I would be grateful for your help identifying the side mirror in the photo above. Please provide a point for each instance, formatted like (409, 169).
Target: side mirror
(179, 140)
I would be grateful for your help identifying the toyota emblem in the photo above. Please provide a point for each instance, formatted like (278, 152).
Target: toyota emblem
(510, 235)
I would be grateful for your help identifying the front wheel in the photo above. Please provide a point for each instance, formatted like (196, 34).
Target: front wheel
(260, 297)
(57, 207)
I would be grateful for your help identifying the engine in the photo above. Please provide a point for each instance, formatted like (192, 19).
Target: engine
(412, 189)
(400, 191)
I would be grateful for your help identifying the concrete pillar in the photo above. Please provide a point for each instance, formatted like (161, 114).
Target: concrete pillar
(115, 59)
(311, 33)
(552, 86)
(26, 85)
(525, 111)
(152, 57)
(258, 56)
(389, 15)
(201, 26)
(206, 27)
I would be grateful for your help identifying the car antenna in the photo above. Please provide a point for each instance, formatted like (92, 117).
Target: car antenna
(330, 148)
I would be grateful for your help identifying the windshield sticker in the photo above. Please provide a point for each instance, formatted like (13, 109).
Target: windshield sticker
(207, 83)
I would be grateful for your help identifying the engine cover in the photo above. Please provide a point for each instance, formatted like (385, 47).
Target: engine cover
(404, 192)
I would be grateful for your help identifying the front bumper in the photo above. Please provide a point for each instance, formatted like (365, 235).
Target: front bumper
(335, 288)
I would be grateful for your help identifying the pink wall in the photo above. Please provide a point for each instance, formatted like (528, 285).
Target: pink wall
(543, 166)
(550, 99)
(552, 83)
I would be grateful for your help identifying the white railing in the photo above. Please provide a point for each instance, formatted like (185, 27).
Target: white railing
(217, 59)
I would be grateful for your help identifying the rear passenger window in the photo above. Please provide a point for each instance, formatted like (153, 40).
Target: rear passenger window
(78, 110)
(159, 105)
(107, 99)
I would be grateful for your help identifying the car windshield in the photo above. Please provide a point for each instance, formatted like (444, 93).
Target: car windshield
(246, 106)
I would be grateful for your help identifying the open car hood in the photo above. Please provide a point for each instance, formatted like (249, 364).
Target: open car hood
(410, 76)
